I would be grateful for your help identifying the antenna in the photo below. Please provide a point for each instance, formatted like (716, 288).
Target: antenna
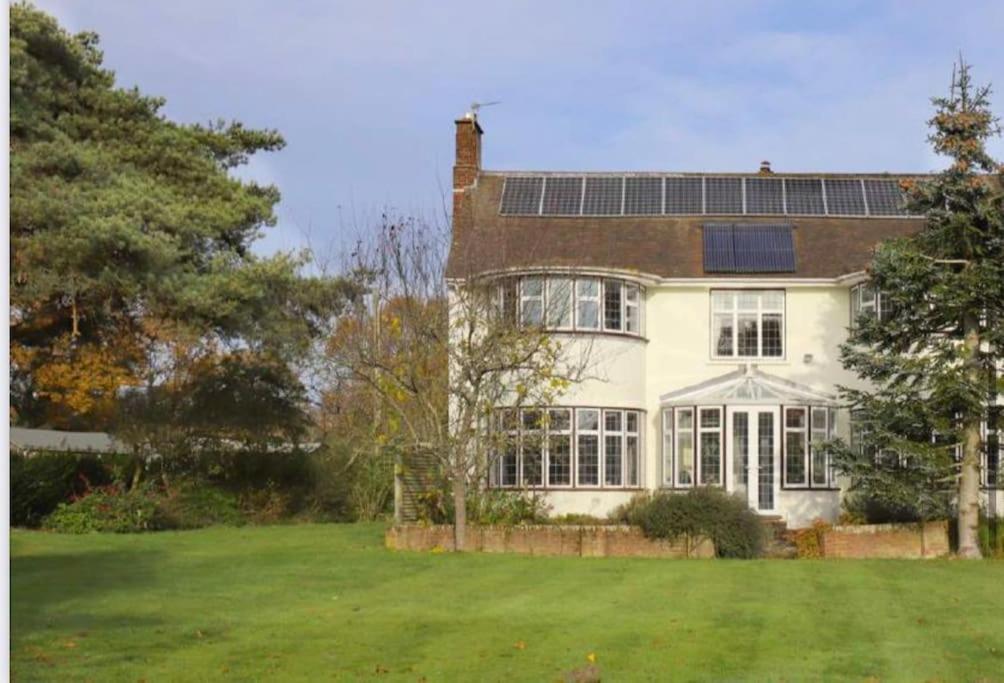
(475, 106)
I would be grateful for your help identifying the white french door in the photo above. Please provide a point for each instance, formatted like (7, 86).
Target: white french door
(752, 446)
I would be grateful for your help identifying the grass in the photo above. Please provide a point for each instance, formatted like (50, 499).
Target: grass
(327, 602)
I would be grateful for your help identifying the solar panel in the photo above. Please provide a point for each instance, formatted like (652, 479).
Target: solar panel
(844, 197)
(684, 195)
(884, 198)
(719, 249)
(604, 196)
(748, 248)
(642, 195)
(804, 196)
(521, 195)
(723, 195)
(764, 195)
(764, 248)
(562, 196)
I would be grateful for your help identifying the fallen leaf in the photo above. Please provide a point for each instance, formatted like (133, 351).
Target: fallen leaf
(69, 644)
(520, 645)
(591, 658)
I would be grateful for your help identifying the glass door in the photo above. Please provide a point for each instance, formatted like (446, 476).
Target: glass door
(752, 459)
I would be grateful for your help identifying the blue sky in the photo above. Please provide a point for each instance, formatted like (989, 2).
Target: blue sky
(365, 93)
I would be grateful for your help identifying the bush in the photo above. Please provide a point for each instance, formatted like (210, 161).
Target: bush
(194, 507)
(860, 508)
(498, 506)
(992, 536)
(627, 513)
(704, 512)
(41, 482)
(107, 508)
(809, 542)
(579, 519)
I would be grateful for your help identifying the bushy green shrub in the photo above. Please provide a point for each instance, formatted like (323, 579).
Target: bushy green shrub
(579, 519)
(499, 506)
(991, 536)
(194, 507)
(860, 508)
(627, 513)
(703, 512)
(42, 481)
(108, 508)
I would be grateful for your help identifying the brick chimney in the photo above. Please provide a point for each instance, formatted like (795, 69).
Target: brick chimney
(467, 162)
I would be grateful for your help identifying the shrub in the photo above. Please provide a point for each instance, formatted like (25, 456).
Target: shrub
(498, 506)
(42, 481)
(703, 512)
(194, 507)
(107, 508)
(579, 519)
(860, 508)
(809, 542)
(991, 536)
(627, 513)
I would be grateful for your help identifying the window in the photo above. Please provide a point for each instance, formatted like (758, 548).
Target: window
(865, 300)
(632, 310)
(710, 429)
(532, 301)
(533, 448)
(587, 312)
(572, 447)
(559, 303)
(684, 447)
(613, 434)
(612, 318)
(747, 323)
(567, 303)
(796, 445)
(818, 460)
(559, 447)
(588, 446)
(993, 458)
(667, 447)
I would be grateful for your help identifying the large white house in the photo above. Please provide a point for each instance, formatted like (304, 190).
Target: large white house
(714, 304)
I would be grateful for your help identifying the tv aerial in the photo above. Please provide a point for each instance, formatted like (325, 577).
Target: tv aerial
(476, 106)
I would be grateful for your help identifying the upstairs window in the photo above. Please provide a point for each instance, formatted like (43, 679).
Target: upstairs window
(865, 300)
(564, 303)
(747, 323)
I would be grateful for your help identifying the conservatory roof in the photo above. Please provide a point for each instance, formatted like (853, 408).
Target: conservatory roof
(747, 385)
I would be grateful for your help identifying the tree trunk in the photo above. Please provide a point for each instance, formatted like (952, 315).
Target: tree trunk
(459, 512)
(969, 480)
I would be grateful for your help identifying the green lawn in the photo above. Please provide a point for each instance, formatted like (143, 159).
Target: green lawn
(325, 602)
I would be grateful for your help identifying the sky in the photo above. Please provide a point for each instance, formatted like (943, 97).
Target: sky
(365, 93)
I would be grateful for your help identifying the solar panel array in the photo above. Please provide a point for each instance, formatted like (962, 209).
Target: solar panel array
(748, 248)
(609, 195)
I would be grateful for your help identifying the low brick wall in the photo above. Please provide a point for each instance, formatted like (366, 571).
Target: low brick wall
(580, 541)
(887, 541)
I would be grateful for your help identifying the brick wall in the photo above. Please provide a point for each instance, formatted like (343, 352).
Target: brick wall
(887, 541)
(568, 540)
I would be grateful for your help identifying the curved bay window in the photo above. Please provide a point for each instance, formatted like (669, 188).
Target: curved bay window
(568, 448)
(566, 303)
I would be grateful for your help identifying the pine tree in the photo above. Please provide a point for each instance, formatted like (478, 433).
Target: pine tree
(933, 355)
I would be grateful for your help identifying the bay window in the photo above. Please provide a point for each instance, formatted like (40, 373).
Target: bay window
(568, 448)
(806, 429)
(684, 447)
(796, 447)
(565, 303)
(747, 323)
(710, 446)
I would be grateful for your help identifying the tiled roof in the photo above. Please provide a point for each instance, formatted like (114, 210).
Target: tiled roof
(659, 245)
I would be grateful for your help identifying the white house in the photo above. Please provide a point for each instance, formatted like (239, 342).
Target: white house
(714, 304)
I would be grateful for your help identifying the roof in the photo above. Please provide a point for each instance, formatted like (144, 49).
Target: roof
(664, 246)
(70, 442)
(746, 385)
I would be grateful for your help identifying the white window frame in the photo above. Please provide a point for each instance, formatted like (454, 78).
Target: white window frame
(678, 432)
(525, 298)
(597, 299)
(804, 431)
(598, 434)
(699, 444)
(629, 435)
(760, 312)
(817, 435)
(620, 305)
(632, 308)
(859, 306)
(552, 432)
(617, 434)
(668, 473)
(550, 284)
(510, 431)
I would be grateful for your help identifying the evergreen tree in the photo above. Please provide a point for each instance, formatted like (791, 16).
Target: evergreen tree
(933, 354)
(129, 232)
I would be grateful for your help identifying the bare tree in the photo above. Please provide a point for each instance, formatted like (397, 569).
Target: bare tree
(446, 358)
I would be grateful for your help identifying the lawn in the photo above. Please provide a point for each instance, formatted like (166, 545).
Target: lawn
(328, 602)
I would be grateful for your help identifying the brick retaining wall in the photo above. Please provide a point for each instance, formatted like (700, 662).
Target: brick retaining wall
(887, 540)
(582, 541)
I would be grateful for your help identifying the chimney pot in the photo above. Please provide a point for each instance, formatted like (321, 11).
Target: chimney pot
(765, 167)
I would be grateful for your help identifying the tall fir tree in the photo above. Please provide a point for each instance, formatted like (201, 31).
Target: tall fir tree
(933, 355)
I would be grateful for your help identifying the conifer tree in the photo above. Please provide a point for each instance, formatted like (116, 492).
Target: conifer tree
(933, 355)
